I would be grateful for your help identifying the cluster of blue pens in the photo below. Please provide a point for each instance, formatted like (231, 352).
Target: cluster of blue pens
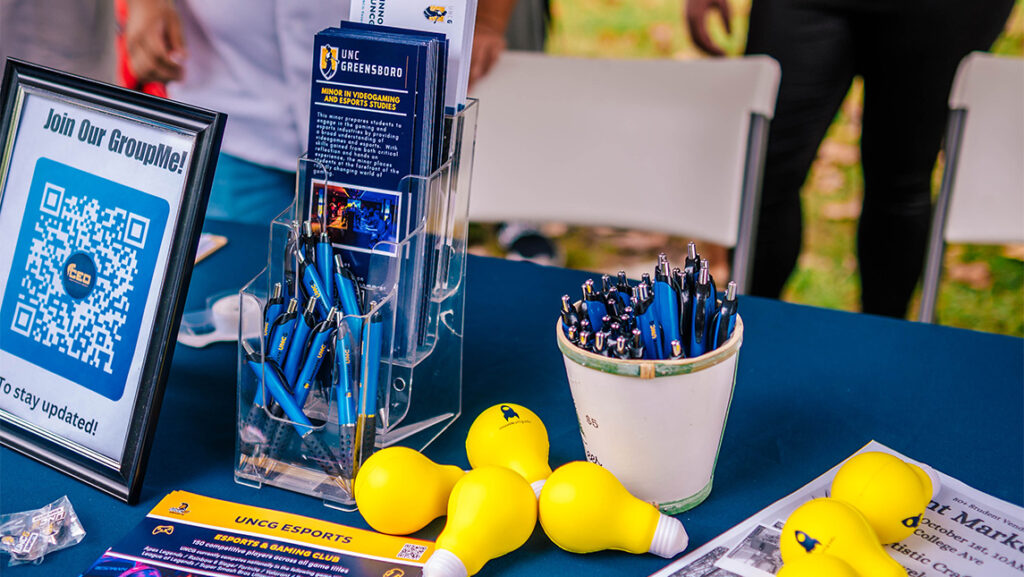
(677, 315)
(308, 339)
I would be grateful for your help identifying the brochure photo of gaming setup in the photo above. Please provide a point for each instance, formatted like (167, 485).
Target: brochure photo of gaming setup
(343, 391)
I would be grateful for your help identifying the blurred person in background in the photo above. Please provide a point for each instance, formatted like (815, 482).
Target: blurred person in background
(71, 35)
(907, 53)
(251, 59)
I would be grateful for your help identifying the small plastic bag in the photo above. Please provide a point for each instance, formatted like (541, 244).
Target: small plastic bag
(29, 535)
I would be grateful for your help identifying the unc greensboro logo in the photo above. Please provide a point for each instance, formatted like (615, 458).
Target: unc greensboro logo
(328, 61)
(436, 14)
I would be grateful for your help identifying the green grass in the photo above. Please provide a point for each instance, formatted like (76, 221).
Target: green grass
(983, 288)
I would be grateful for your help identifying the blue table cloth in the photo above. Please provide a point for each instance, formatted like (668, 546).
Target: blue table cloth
(813, 386)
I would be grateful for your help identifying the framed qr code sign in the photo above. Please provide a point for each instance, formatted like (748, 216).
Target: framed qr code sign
(102, 197)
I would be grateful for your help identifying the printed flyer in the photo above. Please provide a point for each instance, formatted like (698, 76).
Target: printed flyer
(963, 533)
(190, 535)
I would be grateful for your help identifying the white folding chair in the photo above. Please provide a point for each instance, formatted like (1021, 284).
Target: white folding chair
(981, 199)
(661, 145)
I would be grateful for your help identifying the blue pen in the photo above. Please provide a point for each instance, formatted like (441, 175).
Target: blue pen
(596, 309)
(569, 316)
(311, 282)
(304, 325)
(308, 241)
(272, 309)
(692, 263)
(612, 303)
(625, 291)
(725, 319)
(346, 390)
(644, 314)
(701, 313)
(711, 305)
(666, 303)
(347, 296)
(655, 337)
(281, 332)
(366, 428)
(269, 373)
(300, 252)
(345, 397)
(684, 294)
(319, 344)
(325, 265)
(276, 343)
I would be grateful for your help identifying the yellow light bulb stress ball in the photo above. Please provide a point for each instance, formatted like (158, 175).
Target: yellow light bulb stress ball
(891, 493)
(400, 491)
(820, 565)
(492, 511)
(510, 436)
(584, 508)
(832, 527)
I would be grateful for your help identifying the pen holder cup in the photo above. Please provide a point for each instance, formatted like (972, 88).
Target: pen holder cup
(657, 425)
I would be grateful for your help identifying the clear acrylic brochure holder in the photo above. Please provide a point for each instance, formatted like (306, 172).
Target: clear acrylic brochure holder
(401, 360)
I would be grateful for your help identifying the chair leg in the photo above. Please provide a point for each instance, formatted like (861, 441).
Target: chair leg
(750, 201)
(937, 236)
(930, 282)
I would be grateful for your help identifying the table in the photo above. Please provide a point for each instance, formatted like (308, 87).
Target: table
(813, 386)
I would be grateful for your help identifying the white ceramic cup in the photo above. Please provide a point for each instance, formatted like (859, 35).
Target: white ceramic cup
(657, 425)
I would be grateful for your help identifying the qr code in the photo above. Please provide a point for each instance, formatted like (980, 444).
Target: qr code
(412, 552)
(100, 247)
(80, 275)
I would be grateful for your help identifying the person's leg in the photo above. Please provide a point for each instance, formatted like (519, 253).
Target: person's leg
(528, 25)
(246, 192)
(522, 240)
(909, 60)
(814, 47)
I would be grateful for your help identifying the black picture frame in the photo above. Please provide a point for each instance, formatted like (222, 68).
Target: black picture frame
(119, 477)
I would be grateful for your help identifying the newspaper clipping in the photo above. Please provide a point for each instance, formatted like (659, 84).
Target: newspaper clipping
(964, 533)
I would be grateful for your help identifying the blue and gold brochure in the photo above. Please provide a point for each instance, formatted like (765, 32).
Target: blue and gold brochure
(189, 535)
(376, 117)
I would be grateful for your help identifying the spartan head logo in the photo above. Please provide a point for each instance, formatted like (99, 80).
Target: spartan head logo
(806, 541)
(435, 13)
(509, 413)
(328, 61)
(912, 521)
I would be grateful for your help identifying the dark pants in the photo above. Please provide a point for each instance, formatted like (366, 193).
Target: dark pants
(907, 52)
